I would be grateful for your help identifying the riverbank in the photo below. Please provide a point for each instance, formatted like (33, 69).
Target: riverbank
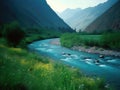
(97, 50)
(23, 70)
(88, 49)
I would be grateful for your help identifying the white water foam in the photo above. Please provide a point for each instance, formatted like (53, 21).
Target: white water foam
(102, 65)
(89, 63)
(66, 59)
(49, 50)
(75, 56)
(88, 59)
(111, 61)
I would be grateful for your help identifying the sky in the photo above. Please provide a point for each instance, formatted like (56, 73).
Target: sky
(61, 5)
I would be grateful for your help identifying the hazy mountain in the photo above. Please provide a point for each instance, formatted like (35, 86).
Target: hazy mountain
(80, 19)
(110, 20)
(30, 13)
(68, 13)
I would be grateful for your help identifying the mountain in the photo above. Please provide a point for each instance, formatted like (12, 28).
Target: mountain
(31, 13)
(69, 13)
(110, 20)
(80, 19)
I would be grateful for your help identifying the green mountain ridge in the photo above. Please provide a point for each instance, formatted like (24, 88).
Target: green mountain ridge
(31, 13)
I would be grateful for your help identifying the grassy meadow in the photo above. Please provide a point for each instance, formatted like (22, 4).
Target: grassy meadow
(105, 40)
(69, 40)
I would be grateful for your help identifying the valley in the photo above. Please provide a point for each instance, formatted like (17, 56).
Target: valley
(78, 49)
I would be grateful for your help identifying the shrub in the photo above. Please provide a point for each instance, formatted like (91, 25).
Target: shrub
(106, 40)
(13, 33)
(111, 40)
(0, 32)
(69, 40)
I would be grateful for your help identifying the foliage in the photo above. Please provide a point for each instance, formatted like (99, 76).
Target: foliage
(34, 34)
(70, 40)
(43, 32)
(20, 37)
(13, 33)
(106, 40)
(111, 40)
(1, 31)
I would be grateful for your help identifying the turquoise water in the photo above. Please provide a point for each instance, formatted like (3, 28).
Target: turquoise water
(91, 64)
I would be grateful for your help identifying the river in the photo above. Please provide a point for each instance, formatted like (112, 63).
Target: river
(91, 64)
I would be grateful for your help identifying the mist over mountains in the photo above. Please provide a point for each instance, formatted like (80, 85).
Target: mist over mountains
(79, 19)
(31, 13)
(110, 20)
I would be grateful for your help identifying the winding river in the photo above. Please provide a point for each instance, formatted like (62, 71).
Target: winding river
(91, 64)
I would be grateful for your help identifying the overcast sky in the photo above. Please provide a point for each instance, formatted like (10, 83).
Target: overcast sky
(60, 5)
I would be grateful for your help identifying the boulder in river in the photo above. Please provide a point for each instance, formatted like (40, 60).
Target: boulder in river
(101, 56)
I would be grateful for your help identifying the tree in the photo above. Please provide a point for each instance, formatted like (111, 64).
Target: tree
(13, 33)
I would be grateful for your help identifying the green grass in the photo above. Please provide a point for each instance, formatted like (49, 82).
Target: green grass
(17, 36)
(106, 40)
(94, 37)
(70, 40)
(111, 40)
(21, 70)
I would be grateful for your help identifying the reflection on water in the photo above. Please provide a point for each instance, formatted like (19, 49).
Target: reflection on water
(91, 64)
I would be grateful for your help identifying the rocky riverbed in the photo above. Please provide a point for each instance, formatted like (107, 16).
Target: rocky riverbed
(97, 50)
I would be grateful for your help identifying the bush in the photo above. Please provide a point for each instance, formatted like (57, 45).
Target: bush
(107, 40)
(0, 32)
(69, 40)
(13, 33)
(111, 40)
